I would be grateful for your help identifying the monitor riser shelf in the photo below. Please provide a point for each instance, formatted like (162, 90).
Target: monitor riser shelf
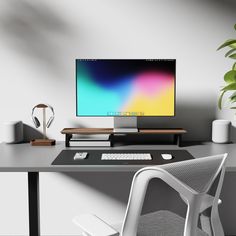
(177, 132)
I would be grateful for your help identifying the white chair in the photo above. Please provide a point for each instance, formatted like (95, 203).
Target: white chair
(193, 180)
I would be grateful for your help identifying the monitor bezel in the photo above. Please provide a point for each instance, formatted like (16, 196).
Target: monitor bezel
(84, 59)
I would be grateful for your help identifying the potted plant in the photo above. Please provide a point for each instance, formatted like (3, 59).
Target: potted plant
(230, 76)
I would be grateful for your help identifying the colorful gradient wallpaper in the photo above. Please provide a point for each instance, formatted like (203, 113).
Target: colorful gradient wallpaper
(125, 87)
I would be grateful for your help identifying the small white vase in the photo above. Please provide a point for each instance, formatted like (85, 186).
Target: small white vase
(13, 132)
(221, 131)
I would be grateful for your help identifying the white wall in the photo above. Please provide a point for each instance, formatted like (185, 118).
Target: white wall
(39, 43)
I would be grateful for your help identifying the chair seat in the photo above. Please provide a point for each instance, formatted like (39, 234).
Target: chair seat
(163, 223)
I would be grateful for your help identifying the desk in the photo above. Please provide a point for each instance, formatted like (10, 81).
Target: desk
(25, 158)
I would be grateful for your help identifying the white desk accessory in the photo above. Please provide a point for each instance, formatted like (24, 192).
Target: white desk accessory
(166, 156)
(80, 155)
(221, 131)
(12, 132)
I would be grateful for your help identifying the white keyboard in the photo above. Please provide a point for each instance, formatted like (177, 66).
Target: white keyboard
(126, 156)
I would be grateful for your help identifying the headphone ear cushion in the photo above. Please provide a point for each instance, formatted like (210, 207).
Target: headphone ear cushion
(36, 121)
(50, 121)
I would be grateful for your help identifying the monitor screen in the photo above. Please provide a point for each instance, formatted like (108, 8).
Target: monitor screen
(117, 87)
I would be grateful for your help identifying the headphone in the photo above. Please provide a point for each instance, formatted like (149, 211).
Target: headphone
(36, 120)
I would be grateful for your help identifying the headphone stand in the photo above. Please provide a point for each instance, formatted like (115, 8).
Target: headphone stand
(44, 141)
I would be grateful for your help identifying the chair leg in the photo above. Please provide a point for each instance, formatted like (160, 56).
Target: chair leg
(216, 223)
(191, 222)
(206, 224)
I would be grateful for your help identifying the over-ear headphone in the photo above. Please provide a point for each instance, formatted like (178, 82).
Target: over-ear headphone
(36, 120)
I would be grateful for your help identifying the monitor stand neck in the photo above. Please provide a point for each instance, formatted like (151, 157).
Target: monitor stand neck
(125, 124)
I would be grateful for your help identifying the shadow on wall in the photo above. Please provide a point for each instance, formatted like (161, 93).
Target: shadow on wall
(31, 133)
(34, 29)
(195, 118)
(117, 185)
(233, 133)
(224, 5)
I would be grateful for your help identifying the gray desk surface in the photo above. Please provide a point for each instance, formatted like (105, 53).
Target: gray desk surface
(25, 158)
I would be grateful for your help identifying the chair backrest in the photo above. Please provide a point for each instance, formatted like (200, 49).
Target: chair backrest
(200, 173)
(196, 176)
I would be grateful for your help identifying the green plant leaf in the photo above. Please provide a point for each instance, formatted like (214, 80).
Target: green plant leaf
(233, 99)
(233, 95)
(234, 66)
(220, 100)
(229, 87)
(232, 45)
(230, 51)
(233, 56)
(232, 107)
(227, 43)
(230, 77)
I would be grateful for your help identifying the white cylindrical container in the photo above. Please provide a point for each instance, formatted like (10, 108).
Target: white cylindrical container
(221, 131)
(13, 132)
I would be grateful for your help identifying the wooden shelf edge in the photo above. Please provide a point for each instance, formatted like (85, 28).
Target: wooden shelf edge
(110, 131)
(87, 131)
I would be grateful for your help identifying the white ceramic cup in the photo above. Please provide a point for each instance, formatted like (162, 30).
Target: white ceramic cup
(221, 131)
(12, 132)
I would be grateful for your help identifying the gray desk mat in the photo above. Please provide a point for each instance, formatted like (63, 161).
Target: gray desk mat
(66, 157)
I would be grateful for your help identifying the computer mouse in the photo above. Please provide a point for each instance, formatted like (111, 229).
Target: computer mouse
(80, 155)
(166, 156)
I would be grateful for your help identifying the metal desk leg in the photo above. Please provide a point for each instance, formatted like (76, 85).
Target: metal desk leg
(33, 198)
(178, 139)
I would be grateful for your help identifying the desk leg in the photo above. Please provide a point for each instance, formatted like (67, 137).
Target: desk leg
(33, 198)
(178, 139)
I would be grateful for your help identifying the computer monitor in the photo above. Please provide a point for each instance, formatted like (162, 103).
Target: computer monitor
(124, 89)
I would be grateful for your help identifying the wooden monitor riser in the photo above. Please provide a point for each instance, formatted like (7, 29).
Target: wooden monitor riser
(177, 132)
